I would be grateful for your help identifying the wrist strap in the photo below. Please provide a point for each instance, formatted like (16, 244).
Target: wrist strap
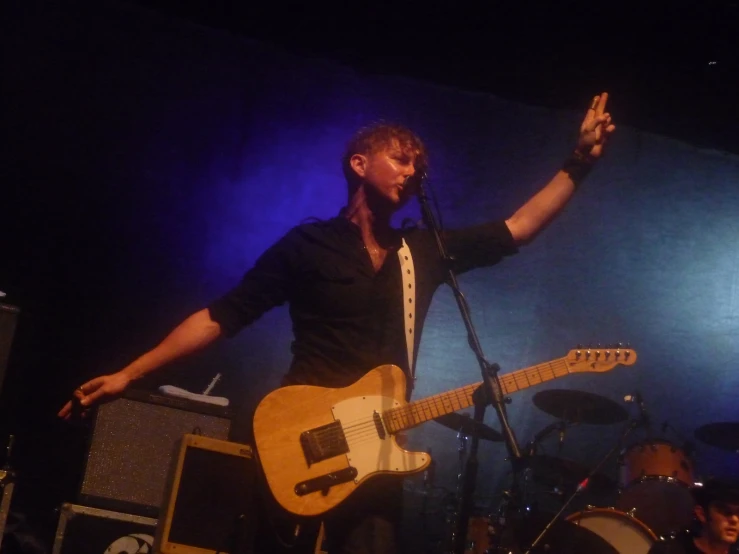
(577, 166)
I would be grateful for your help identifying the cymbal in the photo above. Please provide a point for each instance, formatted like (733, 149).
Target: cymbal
(575, 406)
(553, 471)
(723, 435)
(466, 425)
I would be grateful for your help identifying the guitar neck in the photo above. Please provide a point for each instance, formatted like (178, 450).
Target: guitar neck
(418, 412)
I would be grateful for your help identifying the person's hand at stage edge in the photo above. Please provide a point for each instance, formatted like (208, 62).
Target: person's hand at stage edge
(93, 391)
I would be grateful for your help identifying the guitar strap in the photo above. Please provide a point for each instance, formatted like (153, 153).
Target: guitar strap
(409, 303)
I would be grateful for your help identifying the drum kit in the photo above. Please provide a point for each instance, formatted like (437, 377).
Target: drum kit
(651, 500)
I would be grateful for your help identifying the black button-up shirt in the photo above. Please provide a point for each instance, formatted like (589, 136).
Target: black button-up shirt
(348, 318)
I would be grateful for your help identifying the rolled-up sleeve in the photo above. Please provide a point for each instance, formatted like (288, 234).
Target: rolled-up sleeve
(479, 245)
(264, 286)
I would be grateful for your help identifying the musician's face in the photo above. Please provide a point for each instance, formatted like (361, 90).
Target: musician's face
(386, 174)
(721, 523)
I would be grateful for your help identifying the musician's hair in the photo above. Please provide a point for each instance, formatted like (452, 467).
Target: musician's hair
(716, 490)
(375, 137)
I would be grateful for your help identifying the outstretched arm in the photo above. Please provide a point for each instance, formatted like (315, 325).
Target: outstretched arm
(537, 212)
(194, 333)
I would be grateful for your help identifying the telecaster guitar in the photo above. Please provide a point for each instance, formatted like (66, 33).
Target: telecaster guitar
(317, 445)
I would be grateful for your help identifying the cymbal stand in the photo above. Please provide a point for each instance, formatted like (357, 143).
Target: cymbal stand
(632, 424)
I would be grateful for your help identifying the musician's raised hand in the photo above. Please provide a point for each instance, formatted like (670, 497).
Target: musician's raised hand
(595, 129)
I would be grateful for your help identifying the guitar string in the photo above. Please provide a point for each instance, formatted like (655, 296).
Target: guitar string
(366, 430)
(420, 406)
(414, 414)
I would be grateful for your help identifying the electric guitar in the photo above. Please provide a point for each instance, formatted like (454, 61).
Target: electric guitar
(317, 445)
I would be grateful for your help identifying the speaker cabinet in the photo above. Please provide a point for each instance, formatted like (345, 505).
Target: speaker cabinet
(8, 318)
(131, 448)
(209, 506)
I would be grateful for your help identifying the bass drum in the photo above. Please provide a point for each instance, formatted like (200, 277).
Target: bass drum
(626, 534)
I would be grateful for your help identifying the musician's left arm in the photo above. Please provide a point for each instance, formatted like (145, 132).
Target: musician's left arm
(526, 223)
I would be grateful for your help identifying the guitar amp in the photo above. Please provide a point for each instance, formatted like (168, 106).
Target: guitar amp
(209, 504)
(131, 448)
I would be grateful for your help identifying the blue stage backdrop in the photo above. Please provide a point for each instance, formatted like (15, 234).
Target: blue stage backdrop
(149, 162)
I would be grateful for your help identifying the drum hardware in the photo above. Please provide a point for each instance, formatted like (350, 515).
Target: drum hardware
(583, 485)
(559, 474)
(688, 445)
(479, 527)
(644, 418)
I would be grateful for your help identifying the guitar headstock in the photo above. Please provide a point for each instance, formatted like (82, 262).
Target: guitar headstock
(599, 359)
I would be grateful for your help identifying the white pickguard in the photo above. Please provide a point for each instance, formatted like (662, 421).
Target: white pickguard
(368, 453)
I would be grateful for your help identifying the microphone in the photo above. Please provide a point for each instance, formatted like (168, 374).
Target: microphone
(637, 399)
(414, 181)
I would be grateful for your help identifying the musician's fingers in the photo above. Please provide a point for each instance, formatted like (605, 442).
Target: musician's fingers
(602, 100)
(92, 397)
(66, 411)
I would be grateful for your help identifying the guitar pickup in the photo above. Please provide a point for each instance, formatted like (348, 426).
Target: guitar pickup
(322, 443)
(325, 482)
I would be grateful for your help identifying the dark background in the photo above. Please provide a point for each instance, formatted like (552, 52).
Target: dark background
(151, 150)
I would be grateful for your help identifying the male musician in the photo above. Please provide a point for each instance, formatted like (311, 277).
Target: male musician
(342, 279)
(717, 514)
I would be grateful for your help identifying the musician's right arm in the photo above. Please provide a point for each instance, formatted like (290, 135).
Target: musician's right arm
(194, 333)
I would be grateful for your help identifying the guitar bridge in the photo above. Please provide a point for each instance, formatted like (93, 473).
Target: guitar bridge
(322, 443)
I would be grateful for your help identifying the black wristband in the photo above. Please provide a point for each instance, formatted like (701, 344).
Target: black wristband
(577, 166)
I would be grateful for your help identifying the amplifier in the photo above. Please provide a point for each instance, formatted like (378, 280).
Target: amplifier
(85, 530)
(131, 447)
(209, 505)
(8, 318)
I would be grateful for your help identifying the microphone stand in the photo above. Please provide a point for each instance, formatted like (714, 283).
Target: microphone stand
(490, 392)
(633, 424)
